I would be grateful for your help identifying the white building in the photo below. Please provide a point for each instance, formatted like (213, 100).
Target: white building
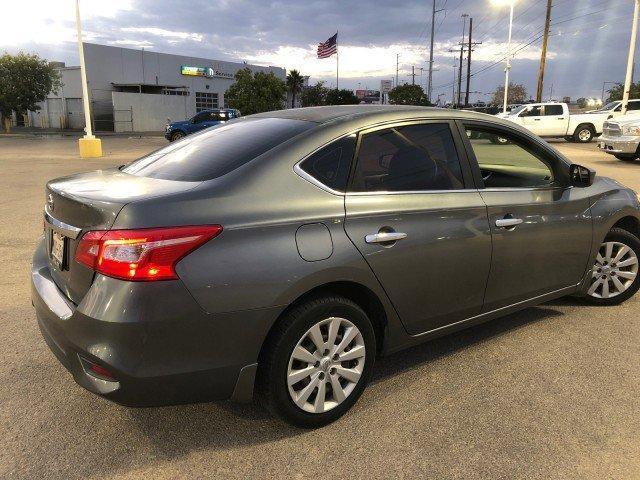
(138, 90)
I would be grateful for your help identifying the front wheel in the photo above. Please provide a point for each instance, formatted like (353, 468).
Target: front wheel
(317, 362)
(630, 157)
(614, 277)
(177, 135)
(583, 134)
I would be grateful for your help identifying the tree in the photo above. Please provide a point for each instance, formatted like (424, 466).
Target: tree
(615, 93)
(517, 94)
(582, 102)
(315, 95)
(408, 95)
(25, 81)
(255, 93)
(295, 82)
(341, 97)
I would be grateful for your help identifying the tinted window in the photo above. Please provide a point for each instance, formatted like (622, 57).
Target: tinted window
(553, 110)
(330, 165)
(505, 161)
(218, 150)
(201, 117)
(633, 105)
(411, 158)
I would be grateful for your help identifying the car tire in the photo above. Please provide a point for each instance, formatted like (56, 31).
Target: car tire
(298, 331)
(619, 272)
(626, 158)
(583, 134)
(177, 135)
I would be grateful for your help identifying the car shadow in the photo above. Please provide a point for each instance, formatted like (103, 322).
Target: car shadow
(175, 431)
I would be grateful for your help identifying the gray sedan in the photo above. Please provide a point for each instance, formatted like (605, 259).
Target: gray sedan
(279, 254)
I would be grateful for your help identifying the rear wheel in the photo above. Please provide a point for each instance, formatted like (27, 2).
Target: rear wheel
(317, 362)
(614, 277)
(583, 134)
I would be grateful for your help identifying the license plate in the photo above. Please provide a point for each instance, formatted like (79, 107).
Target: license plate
(57, 248)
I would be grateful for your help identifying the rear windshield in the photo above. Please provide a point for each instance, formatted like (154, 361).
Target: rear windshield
(218, 150)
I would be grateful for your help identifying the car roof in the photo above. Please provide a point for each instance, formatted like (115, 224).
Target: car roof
(345, 113)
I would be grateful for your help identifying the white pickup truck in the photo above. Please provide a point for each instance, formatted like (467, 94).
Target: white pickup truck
(554, 120)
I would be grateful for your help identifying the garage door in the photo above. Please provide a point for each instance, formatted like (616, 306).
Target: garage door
(54, 112)
(75, 113)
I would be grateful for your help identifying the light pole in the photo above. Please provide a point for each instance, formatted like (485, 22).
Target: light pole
(632, 51)
(508, 63)
(88, 145)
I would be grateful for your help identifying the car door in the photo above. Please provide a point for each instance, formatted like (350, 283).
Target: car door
(540, 225)
(554, 121)
(412, 211)
(199, 121)
(531, 118)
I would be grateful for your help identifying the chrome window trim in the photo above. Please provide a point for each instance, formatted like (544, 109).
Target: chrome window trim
(61, 227)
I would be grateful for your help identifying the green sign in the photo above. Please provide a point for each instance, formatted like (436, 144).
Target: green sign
(208, 72)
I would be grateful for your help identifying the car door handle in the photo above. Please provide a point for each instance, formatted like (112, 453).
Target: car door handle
(508, 222)
(561, 118)
(536, 119)
(384, 237)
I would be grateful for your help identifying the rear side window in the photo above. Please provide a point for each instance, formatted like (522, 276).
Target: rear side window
(330, 165)
(218, 150)
(412, 158)
(553, 110)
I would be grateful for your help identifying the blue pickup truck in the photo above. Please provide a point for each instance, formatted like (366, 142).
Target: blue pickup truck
(201, 120)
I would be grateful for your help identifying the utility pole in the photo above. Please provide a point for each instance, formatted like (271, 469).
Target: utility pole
(397, 67)
(464, 27)
(543, 55)
(413, 75)
(470, 49)
(632, 51)
(433, 21)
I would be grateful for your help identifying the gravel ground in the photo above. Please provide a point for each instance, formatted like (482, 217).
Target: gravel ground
(552, 392)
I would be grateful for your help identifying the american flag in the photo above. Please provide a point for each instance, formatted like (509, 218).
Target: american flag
(328, 48)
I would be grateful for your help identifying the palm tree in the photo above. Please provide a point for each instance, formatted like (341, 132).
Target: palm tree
(295, 81)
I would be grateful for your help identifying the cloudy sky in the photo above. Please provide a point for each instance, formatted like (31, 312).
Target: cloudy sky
(588, 44)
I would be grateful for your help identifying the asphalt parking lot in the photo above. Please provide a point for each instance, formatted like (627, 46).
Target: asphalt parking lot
(552, 392)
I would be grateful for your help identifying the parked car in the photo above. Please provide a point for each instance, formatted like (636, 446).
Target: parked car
(201, 120)
(621, 138)
(283, 252)
(554, 120)
(614, 109)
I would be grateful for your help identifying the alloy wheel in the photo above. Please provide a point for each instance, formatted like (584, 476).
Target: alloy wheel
(326, 365)
(584, 135)
(615, 270)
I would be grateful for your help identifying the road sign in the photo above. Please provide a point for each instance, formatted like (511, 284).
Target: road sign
(385, 86)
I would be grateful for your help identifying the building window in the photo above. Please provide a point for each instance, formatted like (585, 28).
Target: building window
(206, 100)
(172, 91)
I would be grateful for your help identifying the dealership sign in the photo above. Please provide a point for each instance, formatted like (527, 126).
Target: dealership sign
(204, 72)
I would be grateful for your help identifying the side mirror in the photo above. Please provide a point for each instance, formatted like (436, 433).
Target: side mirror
(581, 176)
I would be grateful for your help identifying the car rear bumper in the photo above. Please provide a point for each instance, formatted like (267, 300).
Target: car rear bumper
(622, 145)
(159, 354)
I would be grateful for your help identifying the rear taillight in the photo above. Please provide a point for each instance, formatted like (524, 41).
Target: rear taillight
(141, 255)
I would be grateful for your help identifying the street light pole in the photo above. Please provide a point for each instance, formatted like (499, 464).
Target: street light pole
(632, 51)
(89, 145)
(508, 65)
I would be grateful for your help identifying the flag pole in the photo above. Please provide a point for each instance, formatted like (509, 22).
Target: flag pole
(337, 60)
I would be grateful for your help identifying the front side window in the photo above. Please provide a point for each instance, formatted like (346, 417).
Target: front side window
(535, 111)
(330, 165)
(505, 161)
(409, 158)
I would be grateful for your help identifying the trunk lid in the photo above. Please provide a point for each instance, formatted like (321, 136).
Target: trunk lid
(90, 201)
